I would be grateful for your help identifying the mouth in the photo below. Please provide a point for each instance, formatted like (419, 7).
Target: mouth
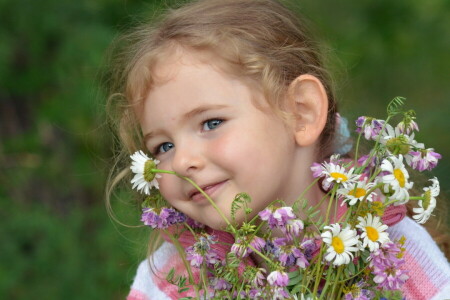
(209, 189)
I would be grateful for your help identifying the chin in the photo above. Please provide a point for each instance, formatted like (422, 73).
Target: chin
(218, 223)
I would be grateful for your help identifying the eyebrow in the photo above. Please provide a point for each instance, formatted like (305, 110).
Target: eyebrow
(187, 116)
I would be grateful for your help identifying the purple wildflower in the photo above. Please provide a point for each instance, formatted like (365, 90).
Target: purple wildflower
(165, 218)
(202, 252)
(279, 293)
(387, 255)
(387, 267)
(408, 126)
(310, 247)
(423, 159)
(194, 257)
(316, 168)
(270, 247)
(241, 246)
(301, 260)
(220, 284)
(259, 278)
(289, 255)
(293, 228)
(278, 217)
(360, 123)
(356, 292)
(255, 293)
(257, 243)
(278, 278)
(369, 126)
(391, 278)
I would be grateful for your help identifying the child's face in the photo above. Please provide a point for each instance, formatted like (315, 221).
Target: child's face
(203, 124)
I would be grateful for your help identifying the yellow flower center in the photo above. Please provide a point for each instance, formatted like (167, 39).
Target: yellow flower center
(426, 199)
(148, 173)
(339, 176)
(400, 177)
(337, 244)
(378, 208)
(372, 233)
(357, 193)
(398, 145)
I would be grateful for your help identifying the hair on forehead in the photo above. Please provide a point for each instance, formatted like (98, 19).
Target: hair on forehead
(260, 40)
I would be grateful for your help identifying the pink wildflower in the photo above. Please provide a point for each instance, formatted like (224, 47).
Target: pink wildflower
(278, 278)
(278, 217)
(293, 228)
(423, 159)
(370, 127)
(201, 252)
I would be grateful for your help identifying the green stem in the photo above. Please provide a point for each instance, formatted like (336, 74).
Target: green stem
(181, 251)
(327, 282)
(333, 192)
(357, 147)
(321, 201)
(261, 255)
(307, 188)
(203, 275)
(319, 270)
(335, 282)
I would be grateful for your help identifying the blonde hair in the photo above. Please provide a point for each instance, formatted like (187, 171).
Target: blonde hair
(257, 39)
(261, 40)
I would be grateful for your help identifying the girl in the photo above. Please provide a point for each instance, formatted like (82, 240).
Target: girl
(233, 95)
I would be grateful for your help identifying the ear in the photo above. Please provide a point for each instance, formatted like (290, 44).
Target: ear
(308, 101)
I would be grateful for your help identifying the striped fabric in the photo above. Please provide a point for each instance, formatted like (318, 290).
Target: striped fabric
(429, 270)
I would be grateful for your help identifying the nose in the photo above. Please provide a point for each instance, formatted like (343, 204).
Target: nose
(187, 159)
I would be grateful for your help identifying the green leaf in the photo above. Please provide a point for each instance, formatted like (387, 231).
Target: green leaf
(169, 276)
(394, 107)
(240, 200)
(294, 278)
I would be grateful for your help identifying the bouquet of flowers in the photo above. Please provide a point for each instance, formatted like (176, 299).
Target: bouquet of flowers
(341, 256)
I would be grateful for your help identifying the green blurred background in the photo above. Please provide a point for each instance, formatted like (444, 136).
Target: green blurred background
(57, 241)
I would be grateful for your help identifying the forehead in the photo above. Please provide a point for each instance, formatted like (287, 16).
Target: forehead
(183, 70)
(177, 58)
(186, 80)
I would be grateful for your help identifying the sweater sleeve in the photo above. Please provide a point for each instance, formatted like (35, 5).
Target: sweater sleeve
(428, 268)
(150, 283)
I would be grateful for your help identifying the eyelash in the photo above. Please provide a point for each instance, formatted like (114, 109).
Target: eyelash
(212, 119)
(156, 150)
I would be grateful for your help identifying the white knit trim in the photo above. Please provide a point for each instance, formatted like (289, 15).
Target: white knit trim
(419, 240)
(423, 248)
(143, 281)
(443, 294)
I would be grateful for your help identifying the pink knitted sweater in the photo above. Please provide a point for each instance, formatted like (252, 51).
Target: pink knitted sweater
(429, 270)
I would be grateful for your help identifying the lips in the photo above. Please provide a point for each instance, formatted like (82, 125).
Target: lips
(209, 189)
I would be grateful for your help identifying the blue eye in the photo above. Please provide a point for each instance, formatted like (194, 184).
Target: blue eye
(164, 147)
(211, 124)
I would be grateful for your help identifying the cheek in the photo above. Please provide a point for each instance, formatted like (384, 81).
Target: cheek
(231, 149)
(167, 187)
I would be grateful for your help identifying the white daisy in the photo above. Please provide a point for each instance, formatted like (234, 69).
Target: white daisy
(398, 142)
(341, 244)
(427, 205)
(374, 233)
(356, 192)
(338, 174)
(144, 179)
(396, 181)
